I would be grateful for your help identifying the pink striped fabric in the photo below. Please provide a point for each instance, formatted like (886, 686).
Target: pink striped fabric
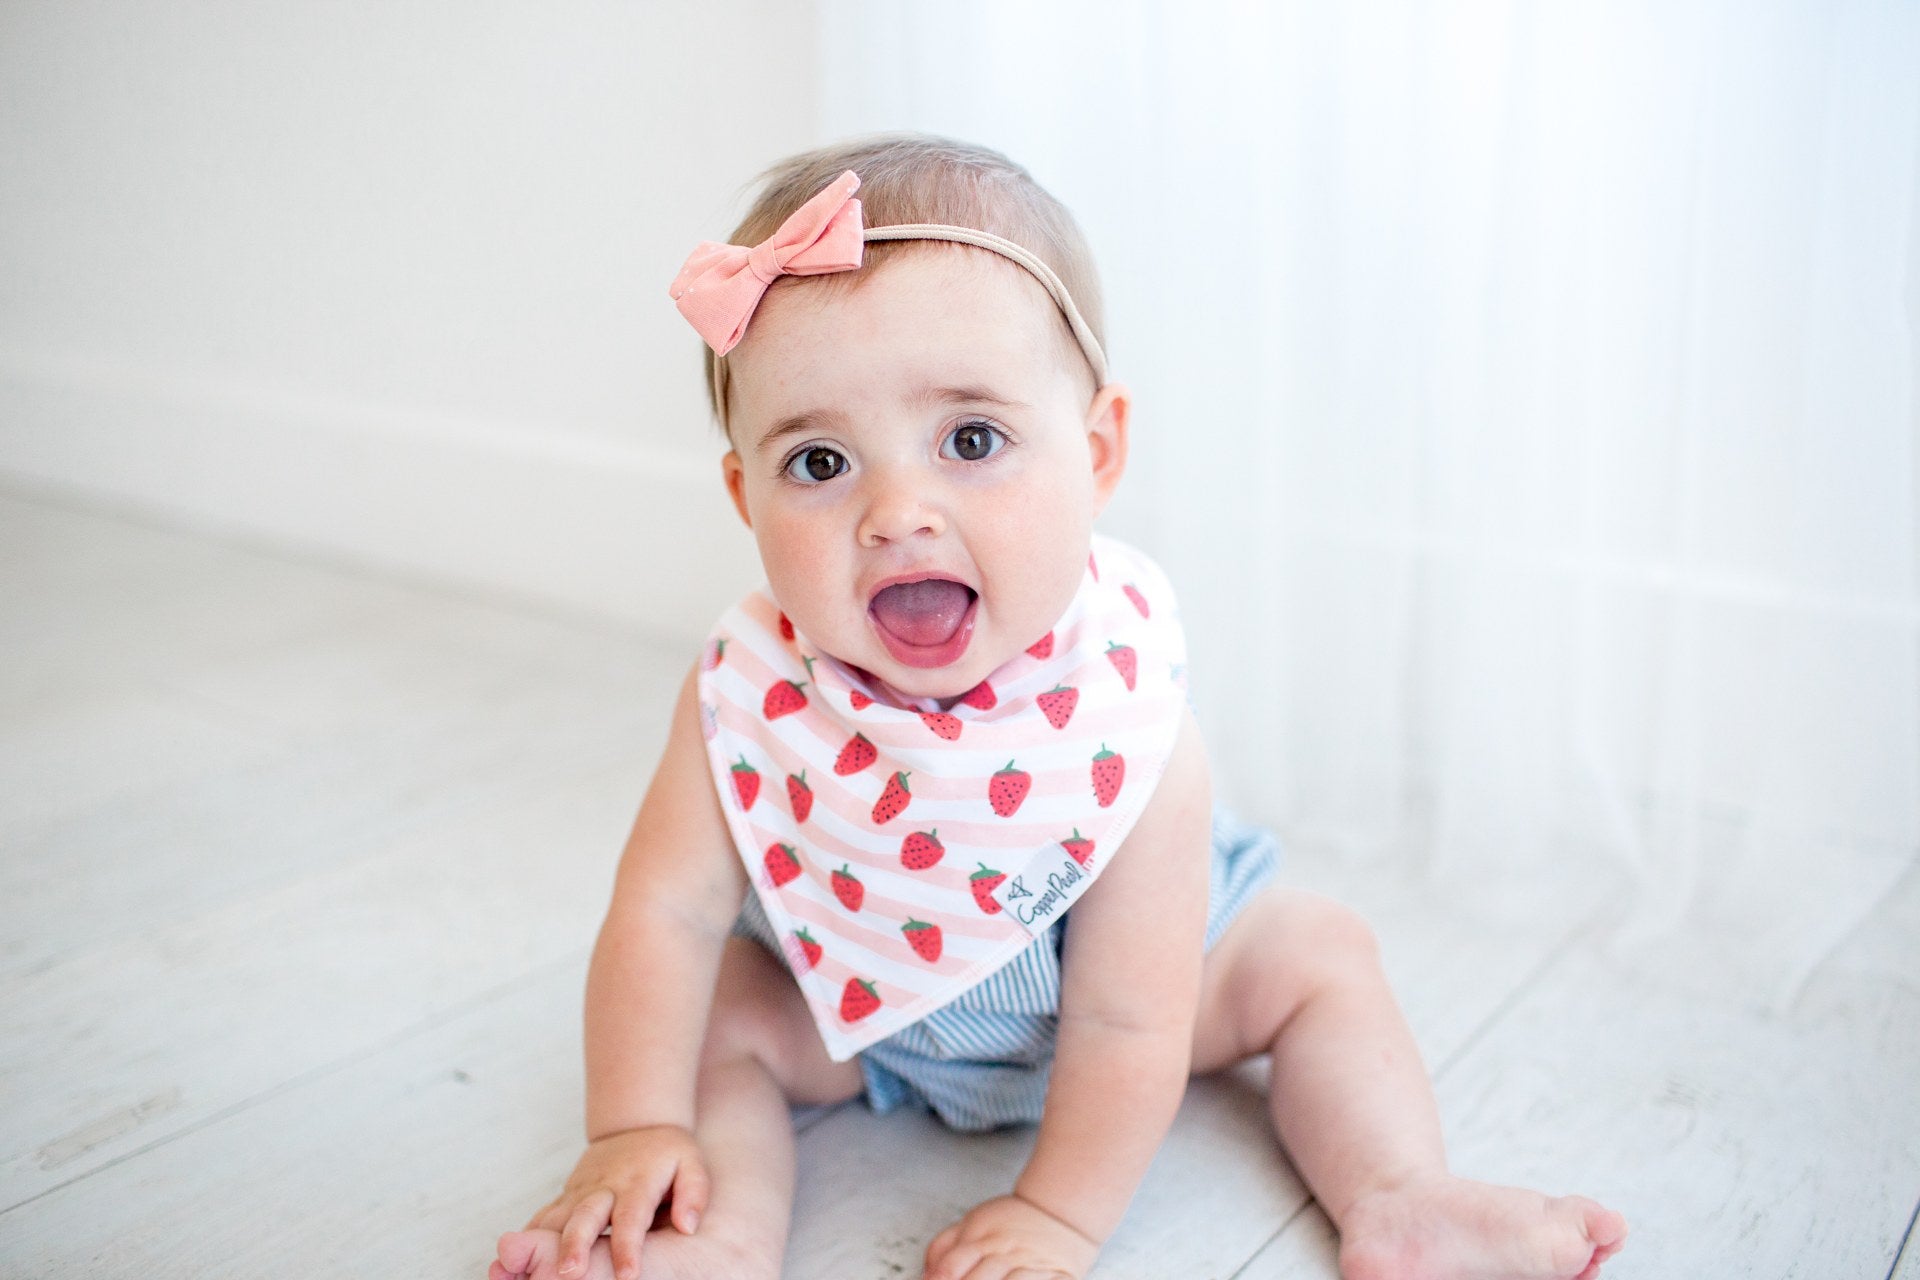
(875, 827)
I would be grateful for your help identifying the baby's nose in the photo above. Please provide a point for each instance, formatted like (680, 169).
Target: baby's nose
(899, 507)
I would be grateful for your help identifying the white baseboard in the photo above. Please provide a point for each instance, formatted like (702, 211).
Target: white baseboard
(642, 535)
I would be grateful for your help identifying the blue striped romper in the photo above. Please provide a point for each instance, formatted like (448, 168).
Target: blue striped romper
(983, 1061)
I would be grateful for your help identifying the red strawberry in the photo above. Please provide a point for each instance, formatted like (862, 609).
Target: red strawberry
(1008, 788)
(855, 756)
(1093, 568)
(783, 699)
(786, 627)
(799, 795)
(1139, 601)
(849, 890)
(858, 1000)
(981, 697)
(943, 724)
(893, 801)
(859, 700)
(1059, 702)
(1042, 648)
(1125, 661)
(924, 937)
(782, 866)
(746, 783)
(1109, 771)
(809, 947)
(1079, 847)
(921, 850)
(983, 882)
(716, 653)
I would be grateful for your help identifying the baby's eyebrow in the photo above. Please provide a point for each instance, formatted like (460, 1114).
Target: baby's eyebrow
(967, 395)
(796, 423)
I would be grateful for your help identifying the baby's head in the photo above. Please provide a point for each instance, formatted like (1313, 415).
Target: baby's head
(920, 179)
(938, 415)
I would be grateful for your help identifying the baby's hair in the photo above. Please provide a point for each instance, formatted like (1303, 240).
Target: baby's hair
(917, 177)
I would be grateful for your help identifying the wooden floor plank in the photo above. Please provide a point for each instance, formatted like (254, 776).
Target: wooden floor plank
(407, 1161)
(1907, 1265)
(62, 756)
(258, 719)
(100, 603)
(184, 1020)
(293, 809)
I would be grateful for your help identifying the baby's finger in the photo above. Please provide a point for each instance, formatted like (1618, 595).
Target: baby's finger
(990, 1267)
(939, 1245)
(588, 1220)
(951, 1261)
(630, 1223)
(691, 1187)
(550, 1218)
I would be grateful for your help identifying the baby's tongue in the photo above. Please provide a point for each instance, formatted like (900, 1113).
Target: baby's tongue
(922, 613)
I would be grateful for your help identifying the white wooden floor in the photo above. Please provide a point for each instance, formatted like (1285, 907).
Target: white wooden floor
(301, 870)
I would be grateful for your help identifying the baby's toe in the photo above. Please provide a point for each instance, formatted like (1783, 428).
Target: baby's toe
(522, 1251)
(1603, 1232)
(1607, 1229)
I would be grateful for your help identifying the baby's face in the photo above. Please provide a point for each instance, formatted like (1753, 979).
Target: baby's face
(930, 423)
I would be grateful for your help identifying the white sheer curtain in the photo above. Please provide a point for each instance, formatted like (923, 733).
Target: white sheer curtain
(1526, 410)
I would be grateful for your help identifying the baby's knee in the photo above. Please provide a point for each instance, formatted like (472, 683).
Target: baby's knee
(1316, 941)
(1288, 950)
(1335, 936)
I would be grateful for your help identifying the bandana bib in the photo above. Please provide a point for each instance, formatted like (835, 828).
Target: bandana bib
(904, 853)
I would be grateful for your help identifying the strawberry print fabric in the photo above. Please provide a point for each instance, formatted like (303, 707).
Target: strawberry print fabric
(876, 827)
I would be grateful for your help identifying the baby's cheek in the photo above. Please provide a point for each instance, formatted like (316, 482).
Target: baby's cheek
(788, 583)
(1048, 561)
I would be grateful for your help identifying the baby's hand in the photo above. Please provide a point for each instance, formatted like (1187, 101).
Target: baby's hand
(1009, 1237)
(621, 1181)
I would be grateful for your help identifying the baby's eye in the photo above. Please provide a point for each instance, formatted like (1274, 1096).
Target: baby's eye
(815, 464)
(974, 441)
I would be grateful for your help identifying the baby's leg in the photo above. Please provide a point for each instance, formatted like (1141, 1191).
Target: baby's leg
(1299, 976)
(761, 1050)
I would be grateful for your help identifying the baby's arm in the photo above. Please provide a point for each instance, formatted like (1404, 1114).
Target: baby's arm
(649, 989)
(1129, 992)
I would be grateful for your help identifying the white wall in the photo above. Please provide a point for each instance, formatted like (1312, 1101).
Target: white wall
(388, 279)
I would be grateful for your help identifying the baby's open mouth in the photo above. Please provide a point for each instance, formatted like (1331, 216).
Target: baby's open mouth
(926, 623)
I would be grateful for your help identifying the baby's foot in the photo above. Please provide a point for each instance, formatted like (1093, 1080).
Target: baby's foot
(665, 1254)
(1447, 1228)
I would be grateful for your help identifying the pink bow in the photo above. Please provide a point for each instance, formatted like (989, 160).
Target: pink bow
(721, 284)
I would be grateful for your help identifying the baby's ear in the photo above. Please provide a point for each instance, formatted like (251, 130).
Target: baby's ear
(1107, 420)
(735, 475)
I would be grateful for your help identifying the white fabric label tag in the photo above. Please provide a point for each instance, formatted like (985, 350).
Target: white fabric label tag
(1040, 895)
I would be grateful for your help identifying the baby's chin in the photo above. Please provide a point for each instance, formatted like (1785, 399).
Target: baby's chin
(941, 685)
(947, 684)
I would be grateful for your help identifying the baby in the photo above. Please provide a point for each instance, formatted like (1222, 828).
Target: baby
(953, 714)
